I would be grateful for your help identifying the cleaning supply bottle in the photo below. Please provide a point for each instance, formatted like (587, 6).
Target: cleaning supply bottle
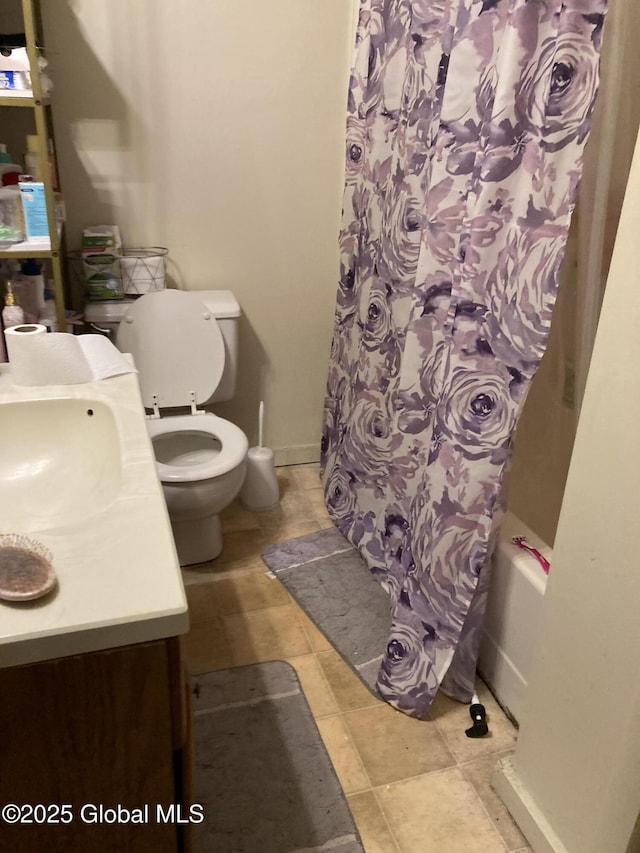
(12, 313)
(7, 166)
(32, 158)
(48, 316)
(30, 290)
(12, 225)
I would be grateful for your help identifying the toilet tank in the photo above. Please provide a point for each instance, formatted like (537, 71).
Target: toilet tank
(106, 317)
(225, 308)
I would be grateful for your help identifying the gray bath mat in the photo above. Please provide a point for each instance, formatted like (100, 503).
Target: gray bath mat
(331, 582)
(262, 773)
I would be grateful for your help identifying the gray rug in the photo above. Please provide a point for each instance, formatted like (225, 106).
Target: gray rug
(263, 774)
(331, 582)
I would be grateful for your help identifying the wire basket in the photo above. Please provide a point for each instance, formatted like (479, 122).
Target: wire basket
(133, 273)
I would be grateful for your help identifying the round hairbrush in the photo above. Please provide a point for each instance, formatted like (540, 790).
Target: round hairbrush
(25, 568)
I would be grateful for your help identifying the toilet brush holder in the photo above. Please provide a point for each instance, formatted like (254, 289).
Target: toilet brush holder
(260, 490)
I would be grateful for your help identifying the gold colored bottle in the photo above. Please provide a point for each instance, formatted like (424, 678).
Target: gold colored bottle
(12, 313)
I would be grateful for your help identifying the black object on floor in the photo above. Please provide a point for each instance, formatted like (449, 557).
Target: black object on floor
(262, 771)
(478, 715)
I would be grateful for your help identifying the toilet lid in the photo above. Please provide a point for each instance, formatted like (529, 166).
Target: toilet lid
(177, 346)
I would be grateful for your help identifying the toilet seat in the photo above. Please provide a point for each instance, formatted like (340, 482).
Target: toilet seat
(215, 462)
(177, 347)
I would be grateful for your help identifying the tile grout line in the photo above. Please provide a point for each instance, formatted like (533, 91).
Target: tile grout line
(240, 571)
(485, 809)
(375, 702)
(443, 770)
(488, 816)
(340, 716)
(191, 577)
(323, 677)
(259, 610)
(498, 753)
(384, 817)
(413, 778)
(329, 688)
(443, 740)
(455, 750)
(372, 789)
(301, 622)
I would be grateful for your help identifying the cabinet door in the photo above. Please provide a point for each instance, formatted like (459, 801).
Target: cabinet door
(89, 730)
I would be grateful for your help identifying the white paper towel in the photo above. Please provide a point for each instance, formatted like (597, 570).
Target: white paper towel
(38, 357)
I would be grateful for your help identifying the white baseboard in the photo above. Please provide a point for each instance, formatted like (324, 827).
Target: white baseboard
(523, 809)
(300, 454)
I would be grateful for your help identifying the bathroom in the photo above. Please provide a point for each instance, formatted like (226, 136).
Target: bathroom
(217, 130)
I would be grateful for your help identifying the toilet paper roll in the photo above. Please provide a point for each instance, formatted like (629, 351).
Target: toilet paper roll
(25, 329)
(260, 490)
(40, 358)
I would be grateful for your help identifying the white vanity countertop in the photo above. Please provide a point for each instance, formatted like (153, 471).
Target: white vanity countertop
(119, 581)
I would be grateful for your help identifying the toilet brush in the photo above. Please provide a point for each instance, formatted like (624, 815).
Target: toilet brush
(260, 489)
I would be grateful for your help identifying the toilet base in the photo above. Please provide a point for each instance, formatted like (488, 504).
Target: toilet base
(197, 540)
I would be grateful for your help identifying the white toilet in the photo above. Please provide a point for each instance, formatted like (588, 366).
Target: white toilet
(184, 344)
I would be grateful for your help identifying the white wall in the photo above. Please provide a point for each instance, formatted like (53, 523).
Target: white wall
(574, 782)
(215, 128)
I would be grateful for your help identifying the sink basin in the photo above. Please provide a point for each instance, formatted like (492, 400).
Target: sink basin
(78, 479)
(59, 460)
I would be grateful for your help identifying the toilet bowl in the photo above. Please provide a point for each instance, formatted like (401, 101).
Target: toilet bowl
(201, 462)
(181, 354)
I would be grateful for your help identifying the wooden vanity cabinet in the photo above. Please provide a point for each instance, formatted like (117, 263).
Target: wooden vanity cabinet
(108, 728)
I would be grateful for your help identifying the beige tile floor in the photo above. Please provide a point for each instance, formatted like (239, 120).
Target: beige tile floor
(412, 786)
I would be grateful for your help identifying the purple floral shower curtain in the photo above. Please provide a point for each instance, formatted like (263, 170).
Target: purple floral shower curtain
(466, 125)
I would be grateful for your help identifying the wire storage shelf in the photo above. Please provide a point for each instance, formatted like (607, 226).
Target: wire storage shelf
(132, 273)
